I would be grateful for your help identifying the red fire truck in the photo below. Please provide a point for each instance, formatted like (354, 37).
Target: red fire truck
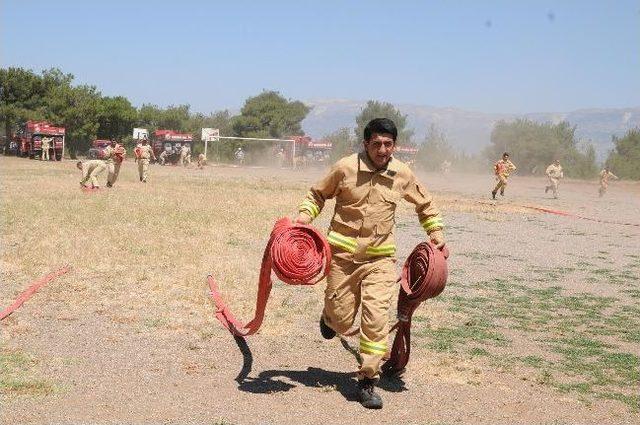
(406, 154)
(170, 141)
(97, 148)
(29, 137)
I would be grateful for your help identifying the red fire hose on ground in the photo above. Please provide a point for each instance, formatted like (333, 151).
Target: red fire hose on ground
(424, 276)
(32, 290)
(568, 214)
(297, 253)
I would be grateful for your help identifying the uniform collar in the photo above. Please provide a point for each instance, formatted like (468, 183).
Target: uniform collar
(365, 164)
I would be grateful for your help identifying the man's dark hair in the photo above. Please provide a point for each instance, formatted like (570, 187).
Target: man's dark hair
(506, 154)
(380, 126)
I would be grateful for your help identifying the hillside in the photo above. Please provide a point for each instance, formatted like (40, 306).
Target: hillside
(471, 130)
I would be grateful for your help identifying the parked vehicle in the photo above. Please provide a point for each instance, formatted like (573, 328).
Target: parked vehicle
(28, 140)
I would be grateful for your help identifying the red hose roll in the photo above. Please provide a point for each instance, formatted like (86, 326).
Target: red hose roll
(297, 253)
(423, 276)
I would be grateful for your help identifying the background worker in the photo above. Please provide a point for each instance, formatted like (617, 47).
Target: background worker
(554, 174)
(144, 154)
(90, 171)
(184, 152)
(502, 169)
(202, 160)
(605, 175)
(46, 144)
(163, 156)
(113, 156)
(367, 187)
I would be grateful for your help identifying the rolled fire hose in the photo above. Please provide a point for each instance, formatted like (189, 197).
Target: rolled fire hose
(297, 253)
(423, 276)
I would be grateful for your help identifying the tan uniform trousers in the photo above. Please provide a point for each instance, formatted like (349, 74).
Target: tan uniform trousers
(372, 285)
(502, 183)
(143, 168)
(91, 172)
(45, 152)
(113, 170)
(603, 187)
(553, 185)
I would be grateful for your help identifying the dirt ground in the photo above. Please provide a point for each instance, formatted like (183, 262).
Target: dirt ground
(539, 323)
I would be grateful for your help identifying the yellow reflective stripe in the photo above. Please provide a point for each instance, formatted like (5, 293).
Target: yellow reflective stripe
(432, 223)
(309, 207)
(388, 249)
(372, 347)
(344, 242)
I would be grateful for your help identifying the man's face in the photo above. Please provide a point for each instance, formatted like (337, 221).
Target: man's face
(380, 148)
(113, 143)
(505, 157)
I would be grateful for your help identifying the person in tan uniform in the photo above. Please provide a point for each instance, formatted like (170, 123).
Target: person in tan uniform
(367, 187)
(144, 153)
(163, 156)
(202, 160)
(605, 175)
(113, 157)
(554, 174)
(46, 145)
(90, 171)
(502, 169)
(184, 151)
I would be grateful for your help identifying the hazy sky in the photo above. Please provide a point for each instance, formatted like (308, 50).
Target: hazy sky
(493, 56)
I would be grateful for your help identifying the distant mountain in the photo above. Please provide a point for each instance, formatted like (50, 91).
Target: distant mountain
(471, 131)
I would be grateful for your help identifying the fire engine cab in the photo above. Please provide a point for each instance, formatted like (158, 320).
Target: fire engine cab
(171, 142)
(29, 137)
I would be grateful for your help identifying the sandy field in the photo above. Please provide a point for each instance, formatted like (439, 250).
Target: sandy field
(539, 323)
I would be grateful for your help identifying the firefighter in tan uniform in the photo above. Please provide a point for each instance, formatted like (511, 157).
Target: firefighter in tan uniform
(144, 153)
(90, 171)
(554, 174)
(46, 145)
(367, 187)
(113, 157)
(502, 169)
(605, 175)
(202, 160)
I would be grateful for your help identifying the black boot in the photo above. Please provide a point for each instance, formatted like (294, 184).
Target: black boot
(367, 394)
(493, 194)
(326, 331)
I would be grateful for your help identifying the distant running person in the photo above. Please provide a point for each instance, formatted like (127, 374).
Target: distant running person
(502, 169)
(605, 175)
(554, 174)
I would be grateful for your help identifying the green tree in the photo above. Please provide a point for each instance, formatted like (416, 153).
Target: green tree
(116, 117)
(533, 146)
(21, 97)
(624, 159)
(435, 150)
(342, 143)
(77, 109)
(220, 120)
(269, 115)
(374, 109)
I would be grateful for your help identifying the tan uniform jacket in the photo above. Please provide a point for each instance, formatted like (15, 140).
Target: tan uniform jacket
(109, 154)
(366, 200)
(555, 171)
(504, 168)
(604, 176)
(146, 152)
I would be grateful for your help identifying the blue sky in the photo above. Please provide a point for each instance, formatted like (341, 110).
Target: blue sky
(492, 56)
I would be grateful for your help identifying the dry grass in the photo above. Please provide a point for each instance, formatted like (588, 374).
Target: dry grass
(141, 252)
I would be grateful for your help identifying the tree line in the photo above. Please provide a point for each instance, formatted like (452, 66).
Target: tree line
(86, 114)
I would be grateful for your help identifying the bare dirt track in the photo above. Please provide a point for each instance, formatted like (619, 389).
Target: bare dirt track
(540, 322)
